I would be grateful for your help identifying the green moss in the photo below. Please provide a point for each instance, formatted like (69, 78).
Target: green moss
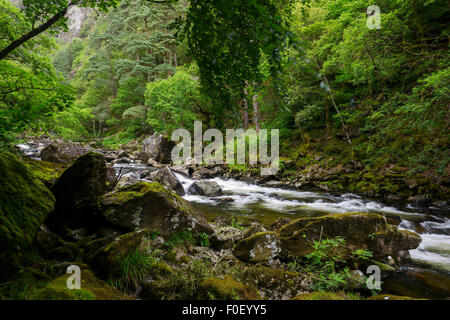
(45, 171)
(226, 289)
(24, 204)
(92, 288)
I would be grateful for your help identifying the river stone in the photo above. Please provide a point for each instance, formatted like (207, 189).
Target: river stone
(205, 188)
(360, 230)
(63, 152)
(260, 247)
(159, 148)
(168, 179)
(152, 206)
(76, 192)
(204, 173)
(127, 180)
(24, 204)
(226, 237)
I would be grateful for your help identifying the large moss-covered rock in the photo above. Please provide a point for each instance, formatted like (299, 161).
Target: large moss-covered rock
(152, 206)
(76, 192)
(360, 230)
(226, 289)
(24, 204)
(260, 247)
(92, 288)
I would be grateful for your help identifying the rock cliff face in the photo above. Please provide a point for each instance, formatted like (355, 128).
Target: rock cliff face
(77, 18)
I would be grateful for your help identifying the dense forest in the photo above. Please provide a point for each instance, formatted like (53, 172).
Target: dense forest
(361, 110)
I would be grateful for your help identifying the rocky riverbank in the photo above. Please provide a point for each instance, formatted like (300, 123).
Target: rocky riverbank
(140, 239)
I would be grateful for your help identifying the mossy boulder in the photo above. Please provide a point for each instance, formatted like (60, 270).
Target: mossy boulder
(24, 204)
(226, 288)
(321, 296)
(76, 192)
(92, 288)
(106, 260)
(360, 230)
(260, 247)
(152, 206)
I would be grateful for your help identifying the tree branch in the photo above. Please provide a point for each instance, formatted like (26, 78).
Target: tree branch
(33, 33)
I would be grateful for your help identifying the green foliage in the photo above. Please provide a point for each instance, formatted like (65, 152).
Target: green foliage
(229, 40)
(170, 102)
(133, 268)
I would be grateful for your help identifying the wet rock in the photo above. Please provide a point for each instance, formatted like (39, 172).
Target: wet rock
(205, 188)
(159, 148)
(121, 161)
(125, 181)
(111, 175)
(76, 192)
(204, 173)
(24, 204)
(168, 179)
(223, 200)
(144, 174)
(152, 206)
(260, 247)
(63, 152)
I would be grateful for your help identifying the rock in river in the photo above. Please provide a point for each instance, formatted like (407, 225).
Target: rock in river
(205, 188)
(151, 206)
(168, 179)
